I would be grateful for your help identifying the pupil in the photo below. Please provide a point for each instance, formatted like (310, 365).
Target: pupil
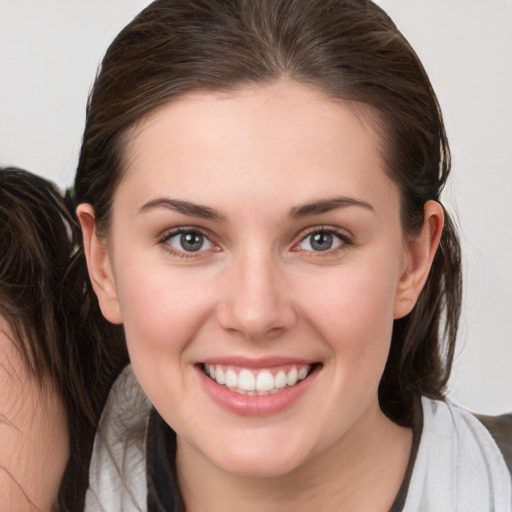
(191, 241)
(321, 241)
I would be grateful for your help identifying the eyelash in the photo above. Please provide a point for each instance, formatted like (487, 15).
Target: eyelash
(168, 235)
(345, 241)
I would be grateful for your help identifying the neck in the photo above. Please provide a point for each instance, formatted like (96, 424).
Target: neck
(372, 455)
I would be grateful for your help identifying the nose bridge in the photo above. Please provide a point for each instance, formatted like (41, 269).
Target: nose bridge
(256, 303)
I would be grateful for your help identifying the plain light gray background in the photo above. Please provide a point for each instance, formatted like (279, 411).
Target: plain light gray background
(49, 52)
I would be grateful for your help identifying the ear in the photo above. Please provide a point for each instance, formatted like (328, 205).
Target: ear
(420, 253)
(99, 265)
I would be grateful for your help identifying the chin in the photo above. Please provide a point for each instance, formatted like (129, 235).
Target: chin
(257, 460)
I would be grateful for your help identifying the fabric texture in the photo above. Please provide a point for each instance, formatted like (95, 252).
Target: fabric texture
(459, 467)
(117, 475)
(456, 464)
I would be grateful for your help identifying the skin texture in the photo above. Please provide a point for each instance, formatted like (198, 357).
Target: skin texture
(258, 289)
(33, 434)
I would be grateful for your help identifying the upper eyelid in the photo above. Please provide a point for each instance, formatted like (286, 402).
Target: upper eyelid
(342, 233)
(169, 232)
(166, 235)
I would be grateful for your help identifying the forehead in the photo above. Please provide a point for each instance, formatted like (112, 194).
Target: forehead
(256, 140)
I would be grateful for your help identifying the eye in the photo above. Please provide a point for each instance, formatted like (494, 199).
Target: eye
(322, 240)
(187, 241)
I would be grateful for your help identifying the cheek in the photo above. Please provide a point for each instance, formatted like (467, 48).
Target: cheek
(353, 302)
(162, 312)
(162, 308)
(352, 309)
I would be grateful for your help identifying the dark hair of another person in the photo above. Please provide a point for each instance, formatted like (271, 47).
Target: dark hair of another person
(46, 298)
(350, 50)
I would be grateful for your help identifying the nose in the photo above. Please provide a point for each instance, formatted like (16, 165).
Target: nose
(256, 301)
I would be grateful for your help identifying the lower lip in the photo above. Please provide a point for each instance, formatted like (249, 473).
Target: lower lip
(258, 405)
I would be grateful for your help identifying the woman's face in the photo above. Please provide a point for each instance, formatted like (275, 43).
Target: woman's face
(256, 238)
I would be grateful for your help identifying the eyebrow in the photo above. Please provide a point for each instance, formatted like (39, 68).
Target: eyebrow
(327, 205)
(185, 207)
(205, 212)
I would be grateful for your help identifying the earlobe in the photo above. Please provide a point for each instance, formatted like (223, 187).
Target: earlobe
(420, 255)
(99, 265)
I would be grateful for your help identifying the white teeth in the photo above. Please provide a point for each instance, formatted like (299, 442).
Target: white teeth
(303, 372)
(291, 378)
(246, 381)
(265, 381)
(252, 382)
(231, 379)
(219, 375)
(280, 380)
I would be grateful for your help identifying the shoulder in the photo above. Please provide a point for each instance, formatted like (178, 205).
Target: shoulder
(500, 428)
(33, 431)
(458, 462)
(497, 429)
(117, 477)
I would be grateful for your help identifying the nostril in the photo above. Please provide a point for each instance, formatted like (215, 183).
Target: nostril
(256, 323)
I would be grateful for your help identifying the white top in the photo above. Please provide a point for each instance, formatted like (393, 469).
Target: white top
(458, 467)
(117, 475)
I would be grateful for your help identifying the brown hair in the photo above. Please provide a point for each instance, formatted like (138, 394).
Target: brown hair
(57, 326)
(351, 50)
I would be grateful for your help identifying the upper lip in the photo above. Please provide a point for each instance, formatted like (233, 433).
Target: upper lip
(263, 362)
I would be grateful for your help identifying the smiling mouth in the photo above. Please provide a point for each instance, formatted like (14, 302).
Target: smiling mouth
(262, 382)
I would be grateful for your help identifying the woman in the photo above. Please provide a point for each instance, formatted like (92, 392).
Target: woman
(55, 372)
(258, 188)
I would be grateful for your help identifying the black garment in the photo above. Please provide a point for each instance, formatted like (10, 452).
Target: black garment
(163, 490)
